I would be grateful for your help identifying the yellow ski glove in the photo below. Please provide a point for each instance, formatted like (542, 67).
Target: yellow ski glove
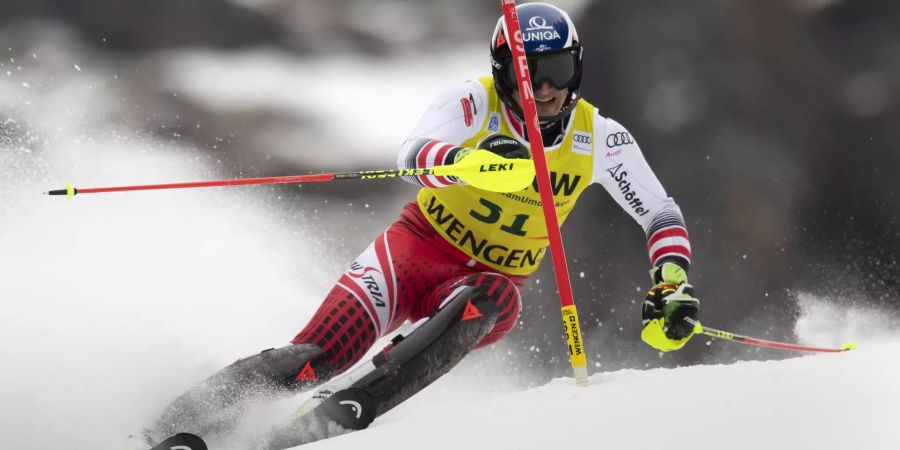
(666, 306)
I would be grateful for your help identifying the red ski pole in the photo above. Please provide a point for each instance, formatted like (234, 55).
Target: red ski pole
(746, 340)
(481, 168)
(574, 336)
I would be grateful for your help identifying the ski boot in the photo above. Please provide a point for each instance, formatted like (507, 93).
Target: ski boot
(406, 366)
(218, 402)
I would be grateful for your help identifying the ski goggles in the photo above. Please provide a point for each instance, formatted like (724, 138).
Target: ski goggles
(558, 69)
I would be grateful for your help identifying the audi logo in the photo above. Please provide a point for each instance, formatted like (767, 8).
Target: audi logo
(580, 138)
(617, 139)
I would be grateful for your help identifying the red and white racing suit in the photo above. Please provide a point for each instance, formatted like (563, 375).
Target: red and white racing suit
(455, 235)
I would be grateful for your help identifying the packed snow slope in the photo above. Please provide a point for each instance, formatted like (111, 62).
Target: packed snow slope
(826, 401)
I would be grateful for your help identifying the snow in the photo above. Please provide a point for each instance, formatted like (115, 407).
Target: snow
(822, 401)
(831, 401)
(107, 313)
(111, 305)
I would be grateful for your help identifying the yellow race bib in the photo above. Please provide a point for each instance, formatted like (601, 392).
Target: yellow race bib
(506, 231)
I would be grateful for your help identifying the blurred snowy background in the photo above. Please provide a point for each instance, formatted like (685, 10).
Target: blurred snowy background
(773, 124)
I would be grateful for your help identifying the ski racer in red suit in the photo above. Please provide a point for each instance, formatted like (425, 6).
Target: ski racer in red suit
(455, 259)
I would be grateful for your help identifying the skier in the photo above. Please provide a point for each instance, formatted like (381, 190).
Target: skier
(455, 259)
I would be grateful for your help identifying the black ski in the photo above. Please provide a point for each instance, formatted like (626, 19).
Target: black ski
(182, 441)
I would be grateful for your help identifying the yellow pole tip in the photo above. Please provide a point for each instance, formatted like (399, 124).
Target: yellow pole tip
(849, 346)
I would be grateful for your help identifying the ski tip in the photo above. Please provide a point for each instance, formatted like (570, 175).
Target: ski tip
(849, 346)
(182, 441)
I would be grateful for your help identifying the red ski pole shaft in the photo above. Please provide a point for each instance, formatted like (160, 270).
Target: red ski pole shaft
(746, 340)
(574, 336)
(323, 177)
(481, 168)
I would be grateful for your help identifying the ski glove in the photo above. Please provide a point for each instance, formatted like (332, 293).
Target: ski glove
(499, 144)
(665, 308)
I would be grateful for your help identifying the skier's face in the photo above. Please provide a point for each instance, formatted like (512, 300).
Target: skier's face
(547, 99)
